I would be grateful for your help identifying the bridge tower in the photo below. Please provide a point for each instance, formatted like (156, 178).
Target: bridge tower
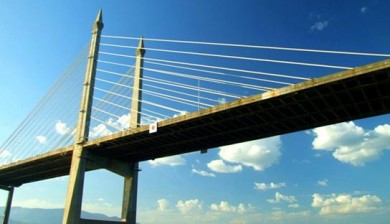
(74, 197)
(83, 160)
(129, 206)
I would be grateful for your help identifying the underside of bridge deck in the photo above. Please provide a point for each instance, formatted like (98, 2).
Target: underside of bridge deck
(353, 94)
(46, 166)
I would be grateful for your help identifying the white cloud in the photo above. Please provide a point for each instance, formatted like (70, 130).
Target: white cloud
(331, 136)
(61, 128)
(162, 204)
(345, 203)
(351, 143)
(219, 166)
(363, 9)
(319, 26)
(323, 182)
(119, 124)
(41, 139)
(189, 206)
(265, 186)
(224, 212)
(202, 173)
(383, 129)
(357, 156)
(123, 122)
(280, 197)
(5, 153)
(99, 131)
(293, 205)
(176, 160)
(224, 206)
(222, 100)
(258, 154)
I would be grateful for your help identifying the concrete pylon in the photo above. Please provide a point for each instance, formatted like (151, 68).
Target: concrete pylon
(72, 211)
(130, 186)
(83, 160)
(135, 117)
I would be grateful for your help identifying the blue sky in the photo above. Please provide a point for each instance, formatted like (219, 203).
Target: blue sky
(333, 174)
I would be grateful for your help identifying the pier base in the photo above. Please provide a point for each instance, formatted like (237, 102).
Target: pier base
(7, 209)
(83, 161)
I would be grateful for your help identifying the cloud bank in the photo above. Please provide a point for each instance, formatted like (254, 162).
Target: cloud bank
(352, 144)
(257, 154)
(345, 203)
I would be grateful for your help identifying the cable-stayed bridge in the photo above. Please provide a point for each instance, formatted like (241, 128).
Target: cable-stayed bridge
(173, 97)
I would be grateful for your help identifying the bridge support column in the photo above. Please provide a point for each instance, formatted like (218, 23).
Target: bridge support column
(72, 211)
(7, 209)
(82, 161)
(130, 188)
(129, 171)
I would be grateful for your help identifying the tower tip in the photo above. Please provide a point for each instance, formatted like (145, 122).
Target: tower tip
(140, 49)
(141, 42)
(99, 17)
(99, 20)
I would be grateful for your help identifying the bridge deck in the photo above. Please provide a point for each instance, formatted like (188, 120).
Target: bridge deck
(353, 94)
